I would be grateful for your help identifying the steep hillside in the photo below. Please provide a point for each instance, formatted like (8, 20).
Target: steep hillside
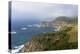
(62, 18)
(65, 38)
(59, 40)
(61, 21)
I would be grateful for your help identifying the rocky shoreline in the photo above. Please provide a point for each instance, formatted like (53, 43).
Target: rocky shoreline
(64, 38)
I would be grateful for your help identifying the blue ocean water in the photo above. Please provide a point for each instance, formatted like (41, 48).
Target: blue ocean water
(23, 33)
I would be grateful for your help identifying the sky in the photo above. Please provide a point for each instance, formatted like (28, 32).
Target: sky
(35, 10)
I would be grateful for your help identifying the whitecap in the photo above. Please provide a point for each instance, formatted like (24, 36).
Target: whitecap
(37, 25)
(23, 28)
(13, 32)
(29, 25)
(17, 49)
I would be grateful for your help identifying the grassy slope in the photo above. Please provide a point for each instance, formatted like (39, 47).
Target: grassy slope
(65, 38)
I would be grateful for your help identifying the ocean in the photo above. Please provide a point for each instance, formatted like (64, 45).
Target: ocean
(22, 33)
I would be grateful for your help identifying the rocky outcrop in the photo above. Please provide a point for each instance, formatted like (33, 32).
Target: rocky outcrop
(32, 46)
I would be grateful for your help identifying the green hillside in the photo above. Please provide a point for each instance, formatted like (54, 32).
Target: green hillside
(65, 38)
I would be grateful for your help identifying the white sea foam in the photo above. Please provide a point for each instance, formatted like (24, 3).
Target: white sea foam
(34, 25)
(17, 49)
(37, 25)
(23, 28)
(13, 32)
(29, 25)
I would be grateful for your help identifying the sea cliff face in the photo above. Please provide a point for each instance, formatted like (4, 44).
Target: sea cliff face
(59, 40)
(32, 46)
(52, 41)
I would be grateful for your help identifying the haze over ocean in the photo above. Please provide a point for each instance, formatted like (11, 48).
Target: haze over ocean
(26, 14)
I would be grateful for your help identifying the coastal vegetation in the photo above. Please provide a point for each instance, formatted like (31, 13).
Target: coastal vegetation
(65, 38)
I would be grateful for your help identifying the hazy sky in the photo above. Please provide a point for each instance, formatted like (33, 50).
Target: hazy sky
(25, 10)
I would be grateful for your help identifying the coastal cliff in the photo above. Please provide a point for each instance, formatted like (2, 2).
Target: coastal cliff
(65, 38)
